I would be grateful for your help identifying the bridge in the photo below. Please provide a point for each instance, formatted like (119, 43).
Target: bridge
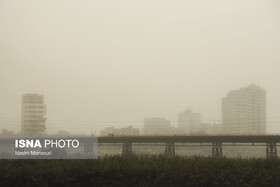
(170, 142)
(216, 140)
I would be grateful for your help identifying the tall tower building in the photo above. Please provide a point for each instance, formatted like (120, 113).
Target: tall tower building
(189, 122)
(33, 111)
(244, 111)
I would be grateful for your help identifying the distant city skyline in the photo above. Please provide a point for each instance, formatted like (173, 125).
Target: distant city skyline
(243, 112)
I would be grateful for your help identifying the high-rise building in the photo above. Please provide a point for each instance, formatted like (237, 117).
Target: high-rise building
(33, 113)
(244, 111)
(189, 122)
(156, 126)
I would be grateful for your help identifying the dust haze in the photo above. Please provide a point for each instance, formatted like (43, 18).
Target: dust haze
(114, 63)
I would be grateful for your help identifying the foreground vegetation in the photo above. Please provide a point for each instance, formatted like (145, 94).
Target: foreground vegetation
(141, 171)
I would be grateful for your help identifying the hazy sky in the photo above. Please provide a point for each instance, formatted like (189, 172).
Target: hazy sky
(108, 62)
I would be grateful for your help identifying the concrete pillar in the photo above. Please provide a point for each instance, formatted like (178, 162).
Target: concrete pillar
(271, 150)
(88, 149)
(127, 149)
(217, 149)
(169, 149)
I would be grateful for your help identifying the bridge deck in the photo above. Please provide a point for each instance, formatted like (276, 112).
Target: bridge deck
(160, 139)
(192, 139)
